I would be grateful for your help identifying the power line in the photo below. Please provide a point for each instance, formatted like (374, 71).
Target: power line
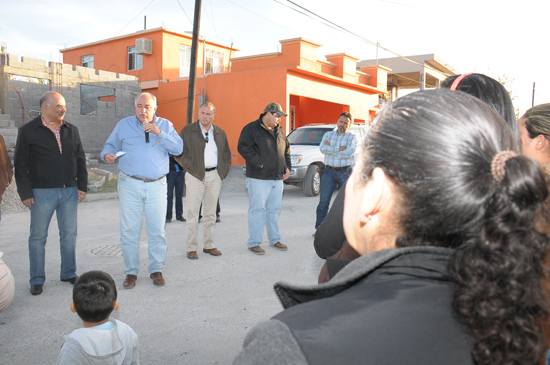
(261, 16)
(101, 44)
(213, 21)
(335, 26)
(134, 18)
(184, 12)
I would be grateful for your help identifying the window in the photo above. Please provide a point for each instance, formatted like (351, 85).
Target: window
(88, 61)
(213, 62)
(135, 61)
(185, 60)
(91, 94)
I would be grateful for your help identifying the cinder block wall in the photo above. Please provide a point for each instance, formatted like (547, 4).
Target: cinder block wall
(21, 97)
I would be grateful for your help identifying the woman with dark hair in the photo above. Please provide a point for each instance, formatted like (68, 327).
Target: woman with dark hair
(440, 206)
(534, 128)
(487, 90)
(482, 87)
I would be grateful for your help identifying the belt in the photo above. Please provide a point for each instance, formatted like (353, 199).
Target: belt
(146, 180)
(339, 168)
(210, 169)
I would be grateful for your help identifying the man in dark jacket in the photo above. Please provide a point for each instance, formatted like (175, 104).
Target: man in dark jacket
(206, 159)
(50, 173)
(6, 169)
(264, 146)
(175, 179)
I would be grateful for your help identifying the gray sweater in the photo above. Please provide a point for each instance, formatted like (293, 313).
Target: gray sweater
(118, 345)
(388, 307)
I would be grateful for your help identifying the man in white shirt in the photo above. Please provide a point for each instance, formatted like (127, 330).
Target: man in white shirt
(207, 159)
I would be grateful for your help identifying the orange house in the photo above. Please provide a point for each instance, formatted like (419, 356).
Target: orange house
(308, 89)
(153, 56)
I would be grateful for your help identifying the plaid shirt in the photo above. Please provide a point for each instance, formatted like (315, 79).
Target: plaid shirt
(333, 156)
(56, 133)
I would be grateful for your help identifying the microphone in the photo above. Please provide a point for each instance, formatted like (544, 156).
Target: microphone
(146, 137)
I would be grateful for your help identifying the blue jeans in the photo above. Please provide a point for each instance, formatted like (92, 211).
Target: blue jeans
(264, 198)
(138, 197)
(329, 179)
(64, 202)
(175, 179)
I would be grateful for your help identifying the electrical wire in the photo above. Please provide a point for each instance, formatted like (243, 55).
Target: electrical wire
(108, 39)
(213, 22)
(335, 26)
(138, 14)
(261, 16)
(185, 12)
(175, 100)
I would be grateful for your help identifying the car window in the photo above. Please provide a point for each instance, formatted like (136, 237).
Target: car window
(358, 134)
(307, 136)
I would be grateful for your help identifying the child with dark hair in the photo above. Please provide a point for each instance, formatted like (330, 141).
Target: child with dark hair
(101, 340)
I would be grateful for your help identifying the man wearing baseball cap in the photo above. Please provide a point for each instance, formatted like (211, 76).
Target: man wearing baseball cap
(264, 146)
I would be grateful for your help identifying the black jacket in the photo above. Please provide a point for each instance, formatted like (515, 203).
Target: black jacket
(330, 234)
(39, 164)
(173, 164)
(389, 307)
(267, 156)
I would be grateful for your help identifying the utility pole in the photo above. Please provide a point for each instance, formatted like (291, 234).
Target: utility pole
(193, 66)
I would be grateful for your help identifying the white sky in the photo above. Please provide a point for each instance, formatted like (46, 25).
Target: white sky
(495, 37)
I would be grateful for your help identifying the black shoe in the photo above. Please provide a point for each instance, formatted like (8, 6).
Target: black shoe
(168, 220)
(218, 220)
(180, 219)
(71, 280)
(36, 289)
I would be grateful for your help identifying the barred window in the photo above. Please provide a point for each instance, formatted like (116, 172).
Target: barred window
(213, 62)
(185, 60)
(135, 61)
(88, 61)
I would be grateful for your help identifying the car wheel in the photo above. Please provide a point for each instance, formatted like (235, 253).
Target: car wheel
(312, 182)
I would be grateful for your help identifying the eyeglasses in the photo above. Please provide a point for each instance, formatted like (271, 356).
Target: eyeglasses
(206, 137)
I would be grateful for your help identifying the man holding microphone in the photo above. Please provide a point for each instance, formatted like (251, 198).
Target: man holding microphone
(142, 142)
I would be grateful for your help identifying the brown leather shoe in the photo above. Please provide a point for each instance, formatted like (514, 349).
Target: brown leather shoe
(192, 255)
(213, 251)
(158, 280)
(129, 282)
(279, 246)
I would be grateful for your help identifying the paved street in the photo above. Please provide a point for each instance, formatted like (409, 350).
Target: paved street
(202, 314)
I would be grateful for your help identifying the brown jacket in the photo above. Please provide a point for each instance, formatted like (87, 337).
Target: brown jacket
(192, 158)
(6, 168)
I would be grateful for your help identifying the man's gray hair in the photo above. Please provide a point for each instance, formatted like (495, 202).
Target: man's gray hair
(153, 97)
(46, 97)
(210, 105)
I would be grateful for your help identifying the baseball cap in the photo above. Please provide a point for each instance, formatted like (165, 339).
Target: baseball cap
(275, 108)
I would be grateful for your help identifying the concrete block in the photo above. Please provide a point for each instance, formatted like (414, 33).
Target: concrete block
(79, 69)
(66, 68)
(13, 60)
(31, 60)
(12, 57)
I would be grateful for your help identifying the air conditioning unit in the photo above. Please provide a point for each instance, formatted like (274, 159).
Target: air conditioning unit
(144, 46)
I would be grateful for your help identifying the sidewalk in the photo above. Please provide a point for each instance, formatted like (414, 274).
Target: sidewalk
(202, 314)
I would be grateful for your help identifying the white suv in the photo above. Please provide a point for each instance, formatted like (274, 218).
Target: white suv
(306, 157)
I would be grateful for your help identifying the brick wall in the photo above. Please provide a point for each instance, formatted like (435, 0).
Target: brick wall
(19, 97)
